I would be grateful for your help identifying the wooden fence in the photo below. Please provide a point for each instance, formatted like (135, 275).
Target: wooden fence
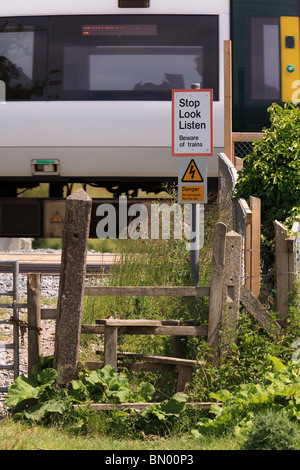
(225, 295)
(245, 220)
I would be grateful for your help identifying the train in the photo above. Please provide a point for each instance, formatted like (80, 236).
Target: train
(86, 89)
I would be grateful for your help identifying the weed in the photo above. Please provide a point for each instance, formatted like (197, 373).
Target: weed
(272, 430)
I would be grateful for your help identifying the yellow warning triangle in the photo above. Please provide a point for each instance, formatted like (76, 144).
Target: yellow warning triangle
(192, 174)
(57, 218)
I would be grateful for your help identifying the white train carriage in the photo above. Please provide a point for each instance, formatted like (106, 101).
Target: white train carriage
(88, 87)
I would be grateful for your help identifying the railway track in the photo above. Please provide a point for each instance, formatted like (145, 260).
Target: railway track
(49, 263)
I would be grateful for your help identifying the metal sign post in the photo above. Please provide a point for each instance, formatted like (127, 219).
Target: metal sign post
(192, 189)
(192, 138)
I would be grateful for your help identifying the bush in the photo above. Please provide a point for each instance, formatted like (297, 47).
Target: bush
(234, 411)
(273, 430)
(272, 171)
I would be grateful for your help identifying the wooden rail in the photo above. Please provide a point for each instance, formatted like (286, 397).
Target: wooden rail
(152, 291)
(246, 136)
(155, 291)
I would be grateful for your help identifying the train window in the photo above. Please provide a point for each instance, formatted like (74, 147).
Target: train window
(125, 68)
(22, 58)
(132, 56)
(265, 58)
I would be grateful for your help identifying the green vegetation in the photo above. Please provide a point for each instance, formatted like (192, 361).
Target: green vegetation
(251, 380)
(272, 430)
(258, 383)
(277, 392)
(19, 435)
(102, 246)
(38, 399)
(272, 171)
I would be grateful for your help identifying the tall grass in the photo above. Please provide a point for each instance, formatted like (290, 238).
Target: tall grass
(147, 262)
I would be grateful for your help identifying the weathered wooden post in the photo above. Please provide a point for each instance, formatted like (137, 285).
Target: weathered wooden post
(282, 270)
(34, 319)
(71, 288)
(286, 269)
(255, 206)
(231, 294)
(110, 349)
(216, 286)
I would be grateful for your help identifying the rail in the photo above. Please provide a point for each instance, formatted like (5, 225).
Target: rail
(49, 263)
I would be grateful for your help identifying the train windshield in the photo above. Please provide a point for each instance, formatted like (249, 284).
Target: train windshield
(108, 57)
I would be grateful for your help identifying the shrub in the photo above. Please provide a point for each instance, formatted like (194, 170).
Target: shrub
(272, 171)
(235, 410)
(272, 430)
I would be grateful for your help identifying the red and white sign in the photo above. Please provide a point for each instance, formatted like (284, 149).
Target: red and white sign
(192, 122)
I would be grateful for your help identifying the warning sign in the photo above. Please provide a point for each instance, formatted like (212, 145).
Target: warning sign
(192, 181)
(57, 218)
(192, 194)
(192, 122)
(192, 174)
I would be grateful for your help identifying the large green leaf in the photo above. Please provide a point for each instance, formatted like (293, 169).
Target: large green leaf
(175, 404)
(37, 412)
(146, 390)
(277, 364)
(22, 389)
(121, 395)
(47, 376)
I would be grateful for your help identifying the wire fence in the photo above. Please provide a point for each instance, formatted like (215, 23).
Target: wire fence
(240, 217)
(242, 149)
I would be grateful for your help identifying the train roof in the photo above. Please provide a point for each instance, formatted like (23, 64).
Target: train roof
(86, 7)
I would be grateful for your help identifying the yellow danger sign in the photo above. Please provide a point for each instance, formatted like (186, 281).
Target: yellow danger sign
(192, 193)
(192, 174)
(192, 180)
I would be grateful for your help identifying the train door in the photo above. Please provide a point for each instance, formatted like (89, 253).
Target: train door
(274, 58)
(266, 60)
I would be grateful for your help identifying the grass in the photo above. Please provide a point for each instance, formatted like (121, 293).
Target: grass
(148, 262)
(21, 436)
(158, 263)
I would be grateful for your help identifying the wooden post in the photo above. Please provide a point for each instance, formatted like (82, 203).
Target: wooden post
(238, 163)
(292, 253)
(110, 345)
(282, 270)
(71, 288)
(231, 294)
(34, 319)
(228, 102)
(216, 286)
(248, 238)
(255, 245)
